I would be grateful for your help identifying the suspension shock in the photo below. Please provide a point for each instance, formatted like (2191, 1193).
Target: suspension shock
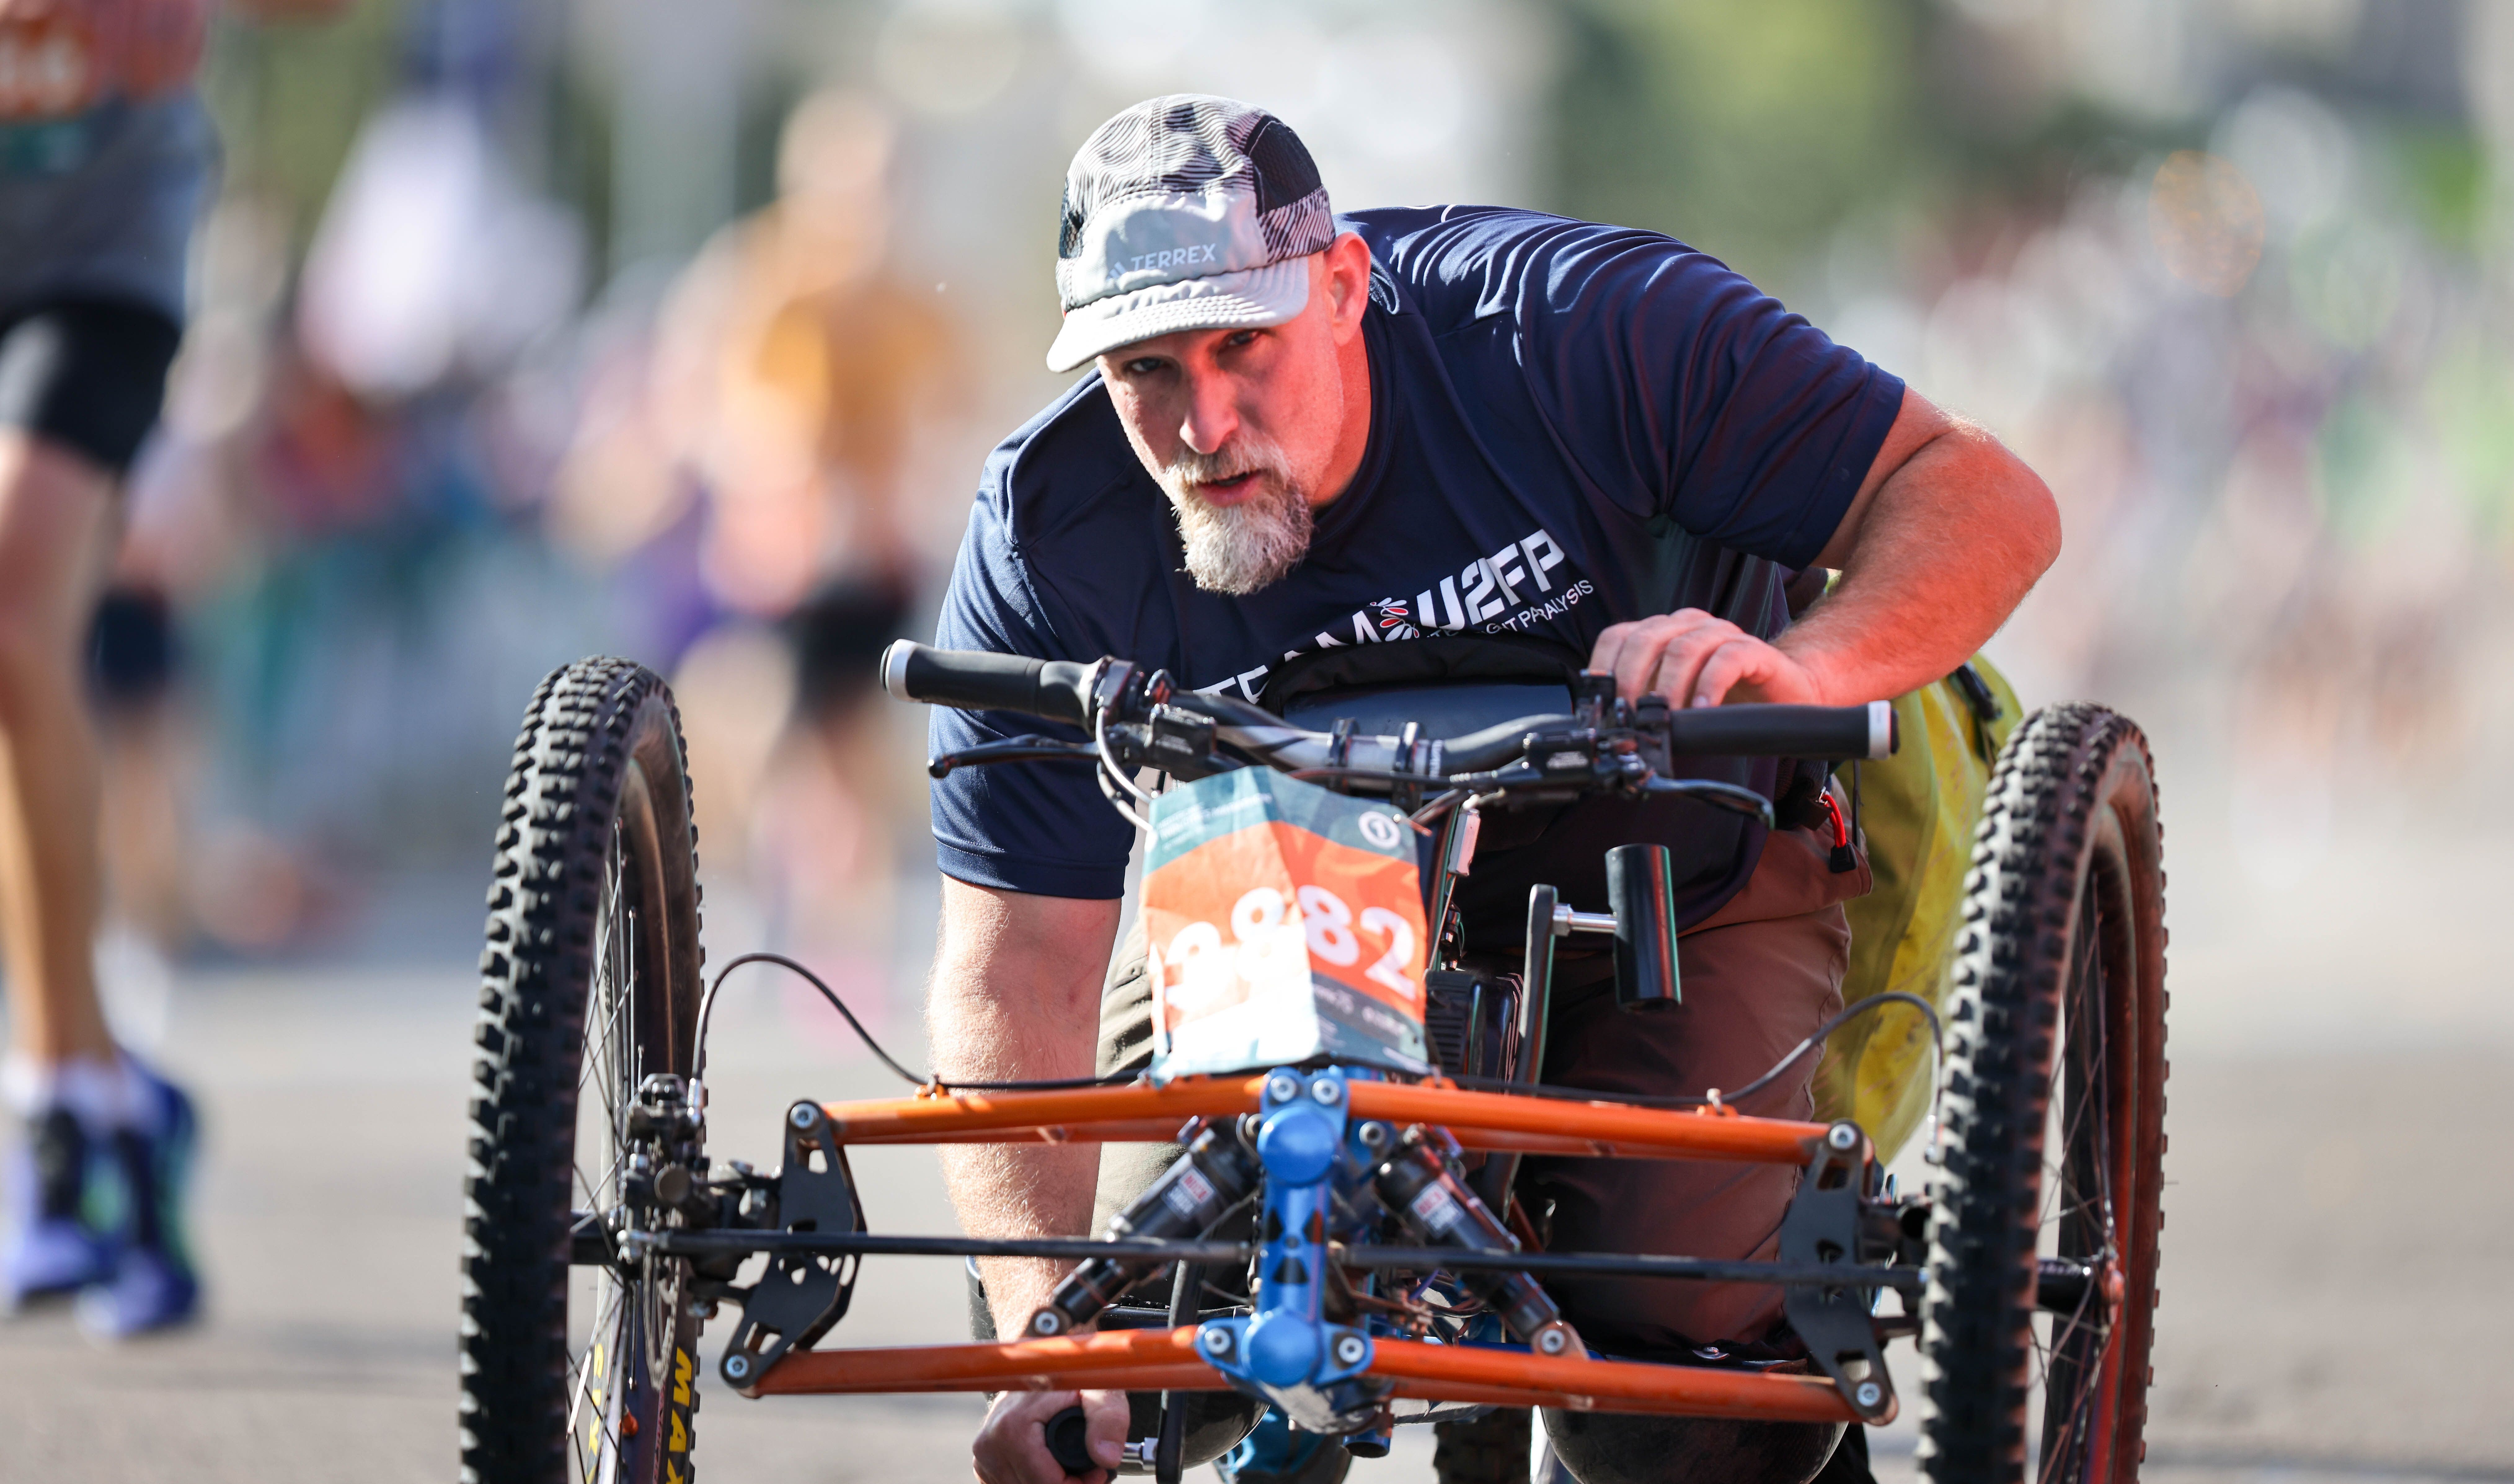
(1414, 1182)
(1213, 1177)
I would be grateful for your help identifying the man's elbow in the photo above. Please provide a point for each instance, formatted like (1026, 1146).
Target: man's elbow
(2016, 504)
(2036, 525)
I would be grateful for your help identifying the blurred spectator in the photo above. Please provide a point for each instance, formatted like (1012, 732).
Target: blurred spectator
(794, 374)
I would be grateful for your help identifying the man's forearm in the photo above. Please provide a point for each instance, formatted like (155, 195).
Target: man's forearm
(1015, 997)
(1959, 531)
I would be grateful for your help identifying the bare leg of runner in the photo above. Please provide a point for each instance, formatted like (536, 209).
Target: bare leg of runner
(56, 528)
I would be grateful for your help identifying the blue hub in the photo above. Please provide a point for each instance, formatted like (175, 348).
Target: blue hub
(1287, 1352)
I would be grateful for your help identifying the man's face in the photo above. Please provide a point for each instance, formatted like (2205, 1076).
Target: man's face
(1243, 429)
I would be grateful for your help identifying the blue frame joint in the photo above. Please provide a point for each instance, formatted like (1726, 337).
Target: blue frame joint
(1286, 1352)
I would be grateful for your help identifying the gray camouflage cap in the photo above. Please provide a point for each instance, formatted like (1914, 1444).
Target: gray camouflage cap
(1185, 213)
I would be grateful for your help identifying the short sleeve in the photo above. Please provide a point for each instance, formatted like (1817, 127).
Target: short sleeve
(1037, 827)
(1676, 379)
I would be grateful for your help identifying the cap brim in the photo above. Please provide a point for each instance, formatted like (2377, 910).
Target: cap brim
(1250, 299)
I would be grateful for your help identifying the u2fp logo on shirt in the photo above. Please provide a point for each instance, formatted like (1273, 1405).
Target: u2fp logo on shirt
(1282, 921)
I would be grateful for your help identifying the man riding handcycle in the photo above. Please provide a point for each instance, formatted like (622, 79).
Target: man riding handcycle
(1448, 548)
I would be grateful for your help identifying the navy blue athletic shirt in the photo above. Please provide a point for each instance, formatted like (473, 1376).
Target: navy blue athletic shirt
(1571, 425)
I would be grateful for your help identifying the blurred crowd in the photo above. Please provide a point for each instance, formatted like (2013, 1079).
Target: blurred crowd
(529, 331)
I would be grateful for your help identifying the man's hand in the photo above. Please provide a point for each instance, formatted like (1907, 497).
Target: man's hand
(1012, 1446)
(1693, 659)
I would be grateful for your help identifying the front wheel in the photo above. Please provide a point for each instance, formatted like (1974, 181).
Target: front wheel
(2043, 1250)
(578, 1360)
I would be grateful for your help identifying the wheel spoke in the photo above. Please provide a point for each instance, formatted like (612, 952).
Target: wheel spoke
(606, 1068)
(2078, 1199)
(581, 1367)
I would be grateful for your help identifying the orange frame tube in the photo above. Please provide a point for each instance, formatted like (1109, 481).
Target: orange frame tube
(1166, 1360)
(1144, 1114)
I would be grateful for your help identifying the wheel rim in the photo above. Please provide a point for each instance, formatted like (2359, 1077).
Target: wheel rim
(2089, 1169)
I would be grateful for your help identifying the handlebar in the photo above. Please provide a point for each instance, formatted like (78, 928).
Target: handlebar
(1053, 690)
(1062, 691)
(1756, 729)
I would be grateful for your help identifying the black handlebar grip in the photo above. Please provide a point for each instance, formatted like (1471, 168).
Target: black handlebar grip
(1068, 1441)
(975, 680)
(1778, 731)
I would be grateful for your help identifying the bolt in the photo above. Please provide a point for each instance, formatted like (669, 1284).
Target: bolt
(803, 1115)
(1350, 1349)
(1844, 1137)
(1325, 1089)
(1216, 1341)
(737, 1366)
(1868, 1395)
(1047, 1321)
(1374, 1135)
(1282, 1087)
(1553, 1340)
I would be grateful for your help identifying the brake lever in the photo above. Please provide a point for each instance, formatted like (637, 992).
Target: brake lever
(1029, 748)
(1718, 795)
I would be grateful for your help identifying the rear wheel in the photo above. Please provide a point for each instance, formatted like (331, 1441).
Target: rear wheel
(590, 986)
(2051, 1140)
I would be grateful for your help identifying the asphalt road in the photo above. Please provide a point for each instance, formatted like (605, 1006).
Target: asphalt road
(2334, 1293)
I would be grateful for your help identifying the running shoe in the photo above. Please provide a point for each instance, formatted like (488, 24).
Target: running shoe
(154, 1286)
(48, 1246)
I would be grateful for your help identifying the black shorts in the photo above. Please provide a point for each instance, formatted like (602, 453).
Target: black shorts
(839, 634)
(88, 374)
(132, 654)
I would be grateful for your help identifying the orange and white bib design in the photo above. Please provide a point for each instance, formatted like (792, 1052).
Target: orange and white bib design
(1284, 921)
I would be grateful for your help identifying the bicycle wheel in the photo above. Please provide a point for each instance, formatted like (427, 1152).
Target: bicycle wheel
(2050, 1148)
(589, 985)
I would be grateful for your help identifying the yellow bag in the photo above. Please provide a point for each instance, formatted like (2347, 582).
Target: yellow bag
(1919, 810)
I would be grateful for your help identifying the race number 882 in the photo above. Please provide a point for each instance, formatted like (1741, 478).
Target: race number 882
(1271, 936)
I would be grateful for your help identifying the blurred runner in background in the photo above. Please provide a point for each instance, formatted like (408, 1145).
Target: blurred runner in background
(105, 161)
(794, 371)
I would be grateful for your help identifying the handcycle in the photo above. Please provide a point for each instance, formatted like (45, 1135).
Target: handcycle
(1388, 1266)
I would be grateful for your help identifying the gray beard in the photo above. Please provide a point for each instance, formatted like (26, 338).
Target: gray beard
(1238, 549)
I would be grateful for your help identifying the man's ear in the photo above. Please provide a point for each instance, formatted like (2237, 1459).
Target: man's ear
(1346, 266)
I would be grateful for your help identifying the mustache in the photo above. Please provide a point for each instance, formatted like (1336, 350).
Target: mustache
(1188, 468)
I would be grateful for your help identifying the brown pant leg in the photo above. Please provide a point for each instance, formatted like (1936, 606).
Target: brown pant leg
(1757, 978)
(1126, 1045)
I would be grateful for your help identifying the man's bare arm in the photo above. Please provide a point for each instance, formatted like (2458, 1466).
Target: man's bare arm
(1948, 532)
(1016, 996)
(1948, 524)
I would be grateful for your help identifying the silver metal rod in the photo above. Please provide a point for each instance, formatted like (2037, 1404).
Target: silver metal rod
(1567, 922)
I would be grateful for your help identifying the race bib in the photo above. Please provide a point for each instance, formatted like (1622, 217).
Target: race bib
(1284, 921)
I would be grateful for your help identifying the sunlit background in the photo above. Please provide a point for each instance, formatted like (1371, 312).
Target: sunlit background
(532, 328)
